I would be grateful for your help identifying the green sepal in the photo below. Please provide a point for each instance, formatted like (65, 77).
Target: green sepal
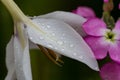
(109, 20)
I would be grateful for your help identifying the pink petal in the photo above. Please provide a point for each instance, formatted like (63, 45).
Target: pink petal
(117, 25)
(106, 1)
(114, 51)
(85, 12)
(110, 71)
(119, 6)
(95, 27)
(116, 30)
(98, 46)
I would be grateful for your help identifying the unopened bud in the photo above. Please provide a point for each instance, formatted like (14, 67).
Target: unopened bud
(108, 5)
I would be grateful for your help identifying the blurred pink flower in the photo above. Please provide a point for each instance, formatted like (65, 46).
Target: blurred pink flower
(103, 40)
(106, 1)
(85, 12)
(110, 71)
(119, 6)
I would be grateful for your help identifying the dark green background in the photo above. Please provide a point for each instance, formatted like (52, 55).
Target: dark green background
(42, 68)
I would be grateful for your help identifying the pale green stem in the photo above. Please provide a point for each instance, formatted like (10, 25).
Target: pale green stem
(18, 15)
(14, 9)
(21, 34)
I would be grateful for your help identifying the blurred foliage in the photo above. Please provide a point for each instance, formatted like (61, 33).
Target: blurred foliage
(42, 68)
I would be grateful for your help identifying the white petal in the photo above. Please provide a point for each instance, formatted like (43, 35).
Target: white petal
(10, 61)
(22, 60)
(32, 45)
(72, 19)
(11, 74)
(63, 39)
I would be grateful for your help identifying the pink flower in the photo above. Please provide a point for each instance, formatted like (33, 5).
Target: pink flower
(110, 71)
(119, 6)
(85, 12)
(106, 1)
(103, 40)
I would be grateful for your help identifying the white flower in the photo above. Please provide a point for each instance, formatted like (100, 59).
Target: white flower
(55, 31)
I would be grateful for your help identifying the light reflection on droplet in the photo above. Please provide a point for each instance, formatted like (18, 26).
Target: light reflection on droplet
(48, 26)
(31, 38)
(63, 49)
(60, 42)
(81, 57)
(56, 48)
(53, 34)
(71, 45)
(41, 38)
(50, 46)
(75, 54)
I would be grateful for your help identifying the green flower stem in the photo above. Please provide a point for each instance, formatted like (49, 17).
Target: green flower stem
(14, 9)
(109, 20)
(18, 15)
(21, 34)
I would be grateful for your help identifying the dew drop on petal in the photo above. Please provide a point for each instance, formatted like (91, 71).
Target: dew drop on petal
(48, 26)
(50, 46)
(53, 34)
(75, 54)
(60, 42)
(56, 48)
(41, 38)
(63, 49)
(31, 38)
(80, 57)
(71, 45)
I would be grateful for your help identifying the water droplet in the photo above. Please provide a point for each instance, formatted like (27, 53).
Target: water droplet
(63, 49)
(53, 34)
(31, 38)
(71, 45)
(75, 54)
(50, 46)
(60, 42)
(81, 57)
(48, 26)
(41, 38)
(56, 48)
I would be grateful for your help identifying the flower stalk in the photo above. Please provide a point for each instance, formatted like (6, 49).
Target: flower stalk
(108, 19)
(14, 10)
(18, 15)
(108, 6)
